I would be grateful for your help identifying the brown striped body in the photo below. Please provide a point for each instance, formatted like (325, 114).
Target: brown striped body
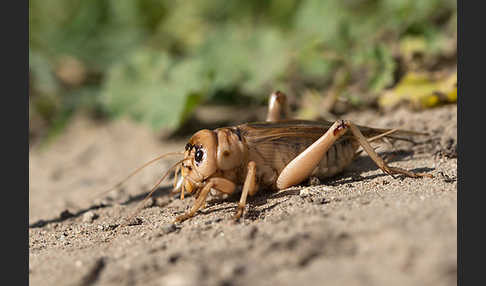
(271, 145)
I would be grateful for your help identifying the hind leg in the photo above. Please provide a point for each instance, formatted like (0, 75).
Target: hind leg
(376, 158)
(278, 108)
(302, 166)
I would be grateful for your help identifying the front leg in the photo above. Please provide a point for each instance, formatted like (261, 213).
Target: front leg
(197, 204)
(220, 184)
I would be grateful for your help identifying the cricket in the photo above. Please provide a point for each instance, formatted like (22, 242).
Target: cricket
(271, 155)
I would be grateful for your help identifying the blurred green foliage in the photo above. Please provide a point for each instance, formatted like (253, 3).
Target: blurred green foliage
(156, 60)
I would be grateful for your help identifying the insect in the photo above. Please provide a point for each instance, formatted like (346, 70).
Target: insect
(275, 154)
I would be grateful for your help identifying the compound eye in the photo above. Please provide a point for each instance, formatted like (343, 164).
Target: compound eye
(199, 156)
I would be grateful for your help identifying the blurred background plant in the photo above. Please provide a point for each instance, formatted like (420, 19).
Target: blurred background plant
(157, 60)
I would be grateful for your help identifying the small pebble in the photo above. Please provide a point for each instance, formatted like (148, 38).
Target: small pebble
(149, 203)
(306, 192)
(106, 227)
(314, 181)
(181, 278)
(90, 216)
(135, 221)
(168, 228)
(314, 191)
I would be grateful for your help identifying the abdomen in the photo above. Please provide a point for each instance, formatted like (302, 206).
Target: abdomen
(338, 157)
(271, 159)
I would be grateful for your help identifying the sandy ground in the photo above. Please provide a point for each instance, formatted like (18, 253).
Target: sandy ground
(359, 228)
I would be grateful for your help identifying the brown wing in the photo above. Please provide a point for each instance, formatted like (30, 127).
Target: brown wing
(259, 132)
(303, 131)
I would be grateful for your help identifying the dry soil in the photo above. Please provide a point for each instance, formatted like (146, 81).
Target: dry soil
(359, 228)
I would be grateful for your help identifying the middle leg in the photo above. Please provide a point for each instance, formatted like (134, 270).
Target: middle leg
(250, 187)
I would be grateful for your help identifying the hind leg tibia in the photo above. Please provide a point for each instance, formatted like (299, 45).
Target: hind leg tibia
(278, 107)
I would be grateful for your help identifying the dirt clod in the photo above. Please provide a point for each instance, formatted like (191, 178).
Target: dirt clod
(168, 228)
(90, 216)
